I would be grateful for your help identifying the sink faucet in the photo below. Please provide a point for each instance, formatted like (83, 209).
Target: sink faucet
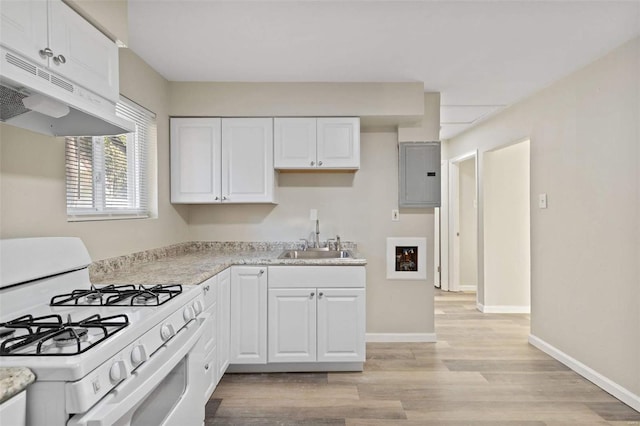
(317, 233)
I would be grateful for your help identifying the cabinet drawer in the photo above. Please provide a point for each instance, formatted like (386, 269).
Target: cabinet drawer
(316, 276)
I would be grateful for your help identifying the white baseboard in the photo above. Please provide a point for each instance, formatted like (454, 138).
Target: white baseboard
(469, 287)
(608, 385)
(401, 337)
(503, 309)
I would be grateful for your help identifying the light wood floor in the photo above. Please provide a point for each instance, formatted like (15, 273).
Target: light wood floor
(482, 371)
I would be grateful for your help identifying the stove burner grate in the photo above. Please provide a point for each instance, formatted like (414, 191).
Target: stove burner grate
(51, 329)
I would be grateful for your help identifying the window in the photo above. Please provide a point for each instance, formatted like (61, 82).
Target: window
(107, 175)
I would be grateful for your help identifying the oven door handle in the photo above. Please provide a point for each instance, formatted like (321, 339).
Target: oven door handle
(123, 400)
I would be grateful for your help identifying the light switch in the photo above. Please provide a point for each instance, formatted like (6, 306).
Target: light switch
(395, 215)
(542, 201)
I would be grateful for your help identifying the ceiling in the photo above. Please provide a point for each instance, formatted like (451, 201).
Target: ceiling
(480, 55)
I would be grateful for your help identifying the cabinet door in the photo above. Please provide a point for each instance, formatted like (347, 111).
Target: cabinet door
(419, 174)
(294, 143)
(247, 160)
(23, 28)
(195, 160)
(90, 58)
(248, 315)
(341, 325)
(224, 319)
(292, 325)
(339, 142)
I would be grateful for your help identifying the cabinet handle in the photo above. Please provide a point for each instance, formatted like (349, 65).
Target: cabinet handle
(206, 366)
(313, 163)
(311, 295)
(320, 295)
(319, 163)
(46, 52)
(261, 272)
(60, 59)
(224, 198)
(217, 198)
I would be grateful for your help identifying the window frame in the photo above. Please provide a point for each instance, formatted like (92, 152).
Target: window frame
(138, 178)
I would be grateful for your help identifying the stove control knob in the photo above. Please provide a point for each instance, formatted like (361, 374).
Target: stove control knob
(138, 355)
(117, 372)
(166, 331)
(188, 314)
(197, 307)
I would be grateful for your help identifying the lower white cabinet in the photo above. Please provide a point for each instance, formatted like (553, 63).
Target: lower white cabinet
(248, 342)
(341, 325)
(224, 321)
(207, 349)
(316, 314)
(292, 324)
(316, 325)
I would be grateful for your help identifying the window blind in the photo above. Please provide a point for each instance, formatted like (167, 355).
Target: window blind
(107, 176)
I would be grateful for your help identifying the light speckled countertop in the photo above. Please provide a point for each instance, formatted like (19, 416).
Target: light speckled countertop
(193, 263)
(13, 380)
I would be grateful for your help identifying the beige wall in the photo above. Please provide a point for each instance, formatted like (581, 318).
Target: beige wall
(357, 206)
(468, 225)
(428, 128)
(32, 182)
(585, 248)
(379, 105)
(507, 262)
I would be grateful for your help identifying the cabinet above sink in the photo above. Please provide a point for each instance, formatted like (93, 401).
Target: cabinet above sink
(310, 143)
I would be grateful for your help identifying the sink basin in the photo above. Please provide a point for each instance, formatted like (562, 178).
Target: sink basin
(315, 254)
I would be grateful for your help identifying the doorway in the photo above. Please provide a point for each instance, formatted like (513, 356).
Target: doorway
(463, 222)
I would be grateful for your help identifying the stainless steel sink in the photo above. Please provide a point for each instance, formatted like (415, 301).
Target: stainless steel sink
(315, 254)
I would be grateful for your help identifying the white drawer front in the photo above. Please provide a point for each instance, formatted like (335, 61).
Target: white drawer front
(317, 276)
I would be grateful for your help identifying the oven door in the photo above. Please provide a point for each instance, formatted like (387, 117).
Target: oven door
(165, 390)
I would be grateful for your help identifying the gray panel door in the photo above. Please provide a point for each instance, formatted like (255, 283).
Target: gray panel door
(419, 174)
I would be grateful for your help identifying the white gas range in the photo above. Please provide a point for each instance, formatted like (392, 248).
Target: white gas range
(106, 355)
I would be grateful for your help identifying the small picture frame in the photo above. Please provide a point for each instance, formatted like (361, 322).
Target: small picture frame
(406, 258)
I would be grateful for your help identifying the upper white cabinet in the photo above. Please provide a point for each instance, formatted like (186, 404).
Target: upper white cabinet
(51, 34)
(247, 160)
(317, 143)
(228, 160)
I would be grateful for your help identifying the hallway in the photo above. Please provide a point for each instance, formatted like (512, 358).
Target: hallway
(481, 371)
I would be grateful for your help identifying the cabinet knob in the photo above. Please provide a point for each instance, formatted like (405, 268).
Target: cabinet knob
(59, 59)
(319, 163)
(261, 272)
(320, 295)
(46, 52)
(224, 198)
(217, 198)
(311, 295)
(313, 163)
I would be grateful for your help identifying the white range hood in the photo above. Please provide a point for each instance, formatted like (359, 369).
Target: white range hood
(33, 98)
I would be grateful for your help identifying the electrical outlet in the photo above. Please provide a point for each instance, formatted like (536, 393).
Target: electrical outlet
(542, 201)
(395, 215)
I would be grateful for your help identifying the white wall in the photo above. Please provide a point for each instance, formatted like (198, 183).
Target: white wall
(357, 206)
(585, 248)
(507, 260)
(32, 181)
(468, 227)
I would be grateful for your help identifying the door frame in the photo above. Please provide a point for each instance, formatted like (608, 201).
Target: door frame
(454, 217)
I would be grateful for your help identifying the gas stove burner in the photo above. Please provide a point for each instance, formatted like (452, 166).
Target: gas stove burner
(145, 298)
(119, 295)
(94, 297)
(40, 334)
(71, 336)
(6, 332)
